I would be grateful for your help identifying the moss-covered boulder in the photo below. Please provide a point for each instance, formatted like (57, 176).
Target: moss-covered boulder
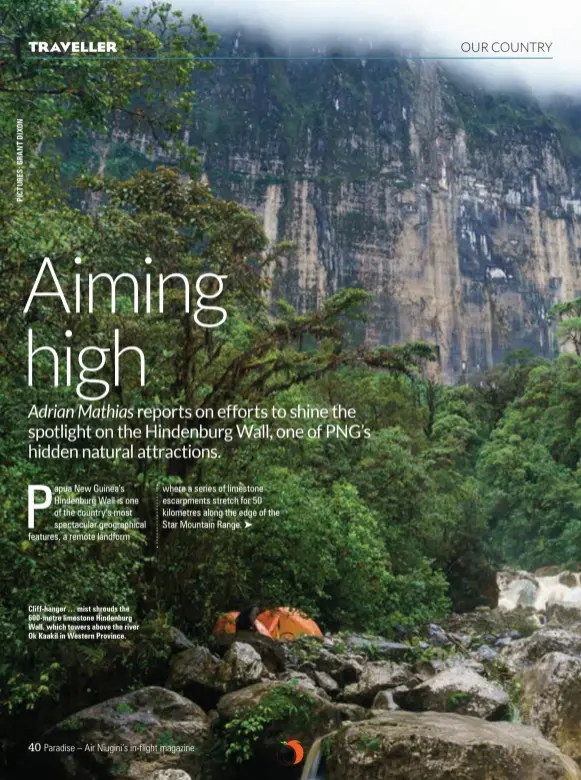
(459, 690)
(254, 721)
(526, 652)
(131, 736)
(551, 700)
(416, 746)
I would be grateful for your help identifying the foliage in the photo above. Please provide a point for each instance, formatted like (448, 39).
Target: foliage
(367, 742)
(529, 469)
(285, 704)
(568, 315)
(143, 85)
(380, 533)
(457, 700)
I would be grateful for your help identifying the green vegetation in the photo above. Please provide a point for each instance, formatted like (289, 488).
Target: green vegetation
(120, 766)
(368, 743)
(568, 315)
(124, 707)
(286, 705)
(457, 700)
(167, 738)
(378, 534)
(494, 119)
(73, 723)
(529, 469)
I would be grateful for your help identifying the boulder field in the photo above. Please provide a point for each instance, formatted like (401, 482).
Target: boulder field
(490, 695)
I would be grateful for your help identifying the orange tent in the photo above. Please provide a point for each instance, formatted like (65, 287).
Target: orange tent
(288, 623)
(226, 624)
(278, 623)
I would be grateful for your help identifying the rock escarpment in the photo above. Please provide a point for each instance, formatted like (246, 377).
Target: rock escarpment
(458, 209)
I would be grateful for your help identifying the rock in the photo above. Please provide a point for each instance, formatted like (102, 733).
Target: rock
(349, 671)
(352, 712)
(437, 636)
(424, 670)
(308, 667)
(458, 662)
(503, 641)
(242, 666)
(394, 651)
(564, 613)
(198, 674)
(307, 717)
(376, 676)
(457, 690)
(384, 701)
(245, 698)
(270, 650)
(551, 700)
(213, 716)
(300, 679)
(491, 624)
(485, 654)
(170, 774)
(526, 652)
(344, 669)
(328, 662)
(568, 578)
(463, 639)
(327, 683)
(180, 641)
(149, 716)
(248, 698)
(412, 746)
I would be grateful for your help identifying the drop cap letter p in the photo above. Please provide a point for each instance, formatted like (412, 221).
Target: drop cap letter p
(43, 504)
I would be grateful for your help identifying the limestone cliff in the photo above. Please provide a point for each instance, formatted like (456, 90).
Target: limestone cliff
(459, 209)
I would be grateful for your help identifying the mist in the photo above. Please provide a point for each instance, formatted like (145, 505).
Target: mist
(423, 28)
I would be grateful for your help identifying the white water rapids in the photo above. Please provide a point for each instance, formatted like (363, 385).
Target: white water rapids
(516, 589)
(521, 589)
(313, 768)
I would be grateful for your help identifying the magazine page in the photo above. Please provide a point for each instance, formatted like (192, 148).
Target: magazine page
(290, 390)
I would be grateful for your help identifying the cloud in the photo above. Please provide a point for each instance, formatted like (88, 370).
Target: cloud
(424, 27)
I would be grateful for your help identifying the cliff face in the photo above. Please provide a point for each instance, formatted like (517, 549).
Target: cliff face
(460, 210)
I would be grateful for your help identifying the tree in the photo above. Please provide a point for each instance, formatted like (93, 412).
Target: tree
(249, 361)
(145, 84)
(568, 315)
(54, 96)
(528, 469)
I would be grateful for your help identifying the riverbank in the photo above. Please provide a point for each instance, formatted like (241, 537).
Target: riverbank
(495, 687)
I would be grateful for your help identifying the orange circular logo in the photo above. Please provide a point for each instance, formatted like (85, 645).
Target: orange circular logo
(291, 753)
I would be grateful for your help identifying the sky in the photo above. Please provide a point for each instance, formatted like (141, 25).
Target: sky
(428, 28)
